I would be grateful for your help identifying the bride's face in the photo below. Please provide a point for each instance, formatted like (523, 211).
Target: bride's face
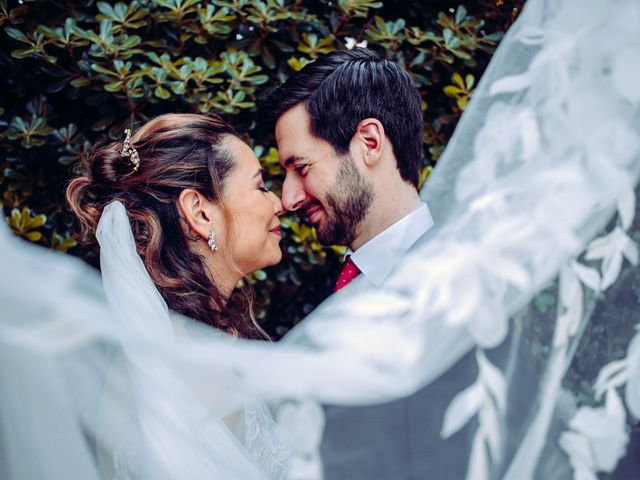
(254, 235)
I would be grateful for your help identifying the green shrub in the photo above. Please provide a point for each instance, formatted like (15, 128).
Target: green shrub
(78, 71)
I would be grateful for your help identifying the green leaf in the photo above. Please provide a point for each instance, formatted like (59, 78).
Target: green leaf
(461, 54)
(113, 87)
(178, 88)
(161, 92)
(61, 243)
(80, 82)
(259, 79)
(461, 14)
(33, 236)
(17, 35)
(120, 10)
(22, 53)
(447, 34)
(106, 9)
(494, 37)
(37, 221)
(200, 64)
(298, 64)
(96, 67)
(14, 218)
(106, 29)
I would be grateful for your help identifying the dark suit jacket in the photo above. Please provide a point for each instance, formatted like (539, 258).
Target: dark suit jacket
(401, 440)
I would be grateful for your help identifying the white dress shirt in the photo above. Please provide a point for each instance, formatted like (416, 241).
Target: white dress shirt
(378, 256)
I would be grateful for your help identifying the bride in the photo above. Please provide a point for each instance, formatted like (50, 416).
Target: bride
(533, 195)
(202, 219)
(201, 215)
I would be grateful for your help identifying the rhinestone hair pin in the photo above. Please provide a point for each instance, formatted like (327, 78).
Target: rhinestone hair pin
(130, 152)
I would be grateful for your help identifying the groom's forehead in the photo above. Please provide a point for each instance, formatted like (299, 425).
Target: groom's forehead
(295, 141)
(292, 133)
(295, 121)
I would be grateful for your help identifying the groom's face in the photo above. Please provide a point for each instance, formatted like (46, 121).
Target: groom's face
(333, 193)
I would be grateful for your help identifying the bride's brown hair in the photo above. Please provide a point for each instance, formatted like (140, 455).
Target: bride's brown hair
(176, 151)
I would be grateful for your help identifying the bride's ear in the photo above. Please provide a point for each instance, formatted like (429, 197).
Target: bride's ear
(199, 212)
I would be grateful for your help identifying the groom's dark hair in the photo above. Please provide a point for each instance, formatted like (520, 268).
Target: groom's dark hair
(344, 87)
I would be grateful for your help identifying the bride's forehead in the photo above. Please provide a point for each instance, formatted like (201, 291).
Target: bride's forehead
(242, 154)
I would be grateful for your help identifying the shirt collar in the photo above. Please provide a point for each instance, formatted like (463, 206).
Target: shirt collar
(378, 256)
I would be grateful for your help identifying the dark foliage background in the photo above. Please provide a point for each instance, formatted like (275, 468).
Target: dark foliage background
(75, 72)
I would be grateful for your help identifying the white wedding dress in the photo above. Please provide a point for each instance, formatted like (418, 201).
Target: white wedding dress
(247, 434)
(536, 186)
(257, 438)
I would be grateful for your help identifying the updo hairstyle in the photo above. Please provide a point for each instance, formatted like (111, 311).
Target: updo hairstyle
(176, 151)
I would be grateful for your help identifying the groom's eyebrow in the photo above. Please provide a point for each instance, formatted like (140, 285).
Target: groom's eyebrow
(292, 159)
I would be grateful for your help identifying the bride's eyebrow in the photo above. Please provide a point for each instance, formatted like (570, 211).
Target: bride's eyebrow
(258, 173)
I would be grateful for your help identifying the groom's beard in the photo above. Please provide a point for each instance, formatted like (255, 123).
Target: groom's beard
(347, 204)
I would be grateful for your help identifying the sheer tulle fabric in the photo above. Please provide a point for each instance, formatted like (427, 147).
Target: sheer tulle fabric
(101, 381)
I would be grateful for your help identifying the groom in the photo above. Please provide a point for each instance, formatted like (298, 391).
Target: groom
(349, 133)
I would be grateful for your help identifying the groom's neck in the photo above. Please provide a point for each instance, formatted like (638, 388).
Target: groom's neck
(389, 206)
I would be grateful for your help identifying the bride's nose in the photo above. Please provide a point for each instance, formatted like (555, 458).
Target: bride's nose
(277, 204)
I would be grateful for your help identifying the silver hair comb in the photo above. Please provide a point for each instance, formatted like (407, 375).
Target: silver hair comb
(130, 152)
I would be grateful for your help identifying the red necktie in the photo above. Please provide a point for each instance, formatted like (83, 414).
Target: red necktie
(349, 272)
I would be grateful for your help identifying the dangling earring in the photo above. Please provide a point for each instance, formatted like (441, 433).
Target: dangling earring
(212, 241)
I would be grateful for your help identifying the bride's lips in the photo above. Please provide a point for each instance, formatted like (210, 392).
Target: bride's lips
(276, 230)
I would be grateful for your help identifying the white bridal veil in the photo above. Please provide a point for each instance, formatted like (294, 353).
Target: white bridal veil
(535, 193)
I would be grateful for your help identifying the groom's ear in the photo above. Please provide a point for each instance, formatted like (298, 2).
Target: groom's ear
(198, 211)
(370, 140)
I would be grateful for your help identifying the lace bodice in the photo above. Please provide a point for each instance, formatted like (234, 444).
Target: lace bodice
(260, 441)
(263, 444)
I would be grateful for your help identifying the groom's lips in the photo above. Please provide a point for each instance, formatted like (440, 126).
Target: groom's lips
(313, 213)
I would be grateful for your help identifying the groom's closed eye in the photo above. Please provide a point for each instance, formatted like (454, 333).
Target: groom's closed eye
(294, 160)
(301, 169)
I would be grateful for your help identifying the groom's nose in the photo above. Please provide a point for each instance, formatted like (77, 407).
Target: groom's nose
(293, 194)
